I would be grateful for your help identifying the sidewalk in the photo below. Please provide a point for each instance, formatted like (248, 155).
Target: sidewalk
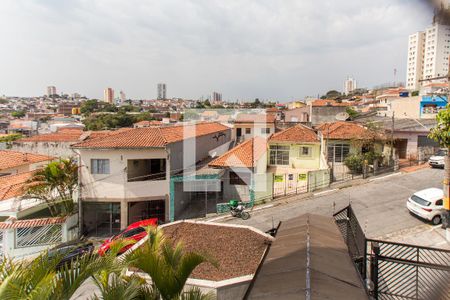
(410, 169)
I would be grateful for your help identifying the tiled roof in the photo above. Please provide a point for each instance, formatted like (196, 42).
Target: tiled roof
(70, 135)
(297, 134)
(152, 137)
(237, 250)
(342, 130)
(329, 102)
(12, 159)
(13, 185)
(32, 223)
(147, 123)
(243, 154)
(256, 118)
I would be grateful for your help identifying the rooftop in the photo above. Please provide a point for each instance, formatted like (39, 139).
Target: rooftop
(151, 137)
(238, 250)
(11, 159)
(71, 135)
(256, 118)
(244, 155)
(342, 130)
(297, 134)
(329, 102)
(284, 272)
(12, 186)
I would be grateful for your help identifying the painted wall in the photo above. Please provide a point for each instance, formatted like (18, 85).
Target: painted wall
(323, 114)
(56, 149)
(255, 130)
(297, 161)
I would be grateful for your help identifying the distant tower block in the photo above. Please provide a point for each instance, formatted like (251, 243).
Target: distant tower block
(162, 91)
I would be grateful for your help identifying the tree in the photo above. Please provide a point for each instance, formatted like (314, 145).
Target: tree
(18, 114)
(89, 106)
(332, 94)
(168, 266)
(55, 184)
(441, 134)
(351, 112)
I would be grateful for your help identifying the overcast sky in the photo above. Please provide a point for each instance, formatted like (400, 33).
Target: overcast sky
(243, 48)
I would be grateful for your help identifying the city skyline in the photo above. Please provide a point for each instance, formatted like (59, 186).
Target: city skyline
(83, 47)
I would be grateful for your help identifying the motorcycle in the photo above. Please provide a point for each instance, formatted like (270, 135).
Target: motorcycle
(237, 210)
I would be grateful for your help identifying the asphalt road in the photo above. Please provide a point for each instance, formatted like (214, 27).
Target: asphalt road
(380, 205)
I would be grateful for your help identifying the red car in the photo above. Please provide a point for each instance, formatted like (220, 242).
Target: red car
(134, 232)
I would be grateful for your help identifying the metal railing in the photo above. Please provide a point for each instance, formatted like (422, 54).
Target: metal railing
(394, 270)
(38, 236)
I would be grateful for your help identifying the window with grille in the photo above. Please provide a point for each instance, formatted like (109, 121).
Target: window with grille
(239, 179)
(305, 151)
(279, 155)
(338, 152)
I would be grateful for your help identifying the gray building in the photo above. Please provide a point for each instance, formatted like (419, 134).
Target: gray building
(162, 89)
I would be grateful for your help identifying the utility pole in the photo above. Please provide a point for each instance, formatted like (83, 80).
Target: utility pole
(392, 137)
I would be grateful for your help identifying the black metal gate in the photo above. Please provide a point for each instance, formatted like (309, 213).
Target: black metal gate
(395, 270)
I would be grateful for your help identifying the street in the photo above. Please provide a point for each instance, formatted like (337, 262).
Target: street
(380, 206)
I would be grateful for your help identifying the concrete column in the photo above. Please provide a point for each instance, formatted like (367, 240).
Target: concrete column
(123, 214)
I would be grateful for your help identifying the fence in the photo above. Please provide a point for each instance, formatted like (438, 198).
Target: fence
(340, 172)
(38, 236)
(395, 270)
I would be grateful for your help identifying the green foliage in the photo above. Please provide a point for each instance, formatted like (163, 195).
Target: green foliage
(168, 266)
(351, 112)
(89, 106)
(55, 184)
(109, 121)
(10, 138)
(355, 163)
(18, 114)
(332, 94)
(415, 93)
(441, 132)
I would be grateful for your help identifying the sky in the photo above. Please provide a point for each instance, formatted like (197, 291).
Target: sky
(245, 49)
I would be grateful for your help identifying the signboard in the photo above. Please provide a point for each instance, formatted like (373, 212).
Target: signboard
(301, 177)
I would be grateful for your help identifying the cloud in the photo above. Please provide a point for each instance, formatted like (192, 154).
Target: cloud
(244, 49)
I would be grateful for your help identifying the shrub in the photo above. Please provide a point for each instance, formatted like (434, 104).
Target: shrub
(355, 163)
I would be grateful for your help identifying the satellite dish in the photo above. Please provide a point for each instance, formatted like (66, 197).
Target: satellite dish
(342, 116)
(214, 154)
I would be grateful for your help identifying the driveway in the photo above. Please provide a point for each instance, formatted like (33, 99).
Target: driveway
(380, 206)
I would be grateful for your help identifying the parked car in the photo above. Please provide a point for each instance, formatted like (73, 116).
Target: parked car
(134, 232)
(438, 159)
(427, 204)
(70, 251)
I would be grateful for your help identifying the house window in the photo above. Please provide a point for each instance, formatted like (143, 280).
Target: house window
(146, 169)
(279, 155)
(305, 151)
(99, 166)
(248, 130)
(239, 179)
(265, 130)
(338, 152)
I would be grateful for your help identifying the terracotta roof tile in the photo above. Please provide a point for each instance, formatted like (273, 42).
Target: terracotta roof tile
(329, 102)
(13, 185)
(298, 133)
(32, 223)
(342, 130)
(12, 159)
(243, 154)
(66, 135)
(152, 137)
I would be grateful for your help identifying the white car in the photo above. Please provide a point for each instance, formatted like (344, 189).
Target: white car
(437, 160)
(427, 204)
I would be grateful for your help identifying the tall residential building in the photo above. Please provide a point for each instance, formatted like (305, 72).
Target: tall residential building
(414, 71)
(216, 97)
(429, 52)
(108, 95)
(349, 85)
(51, 90)
(161, 91)
(122, 97)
